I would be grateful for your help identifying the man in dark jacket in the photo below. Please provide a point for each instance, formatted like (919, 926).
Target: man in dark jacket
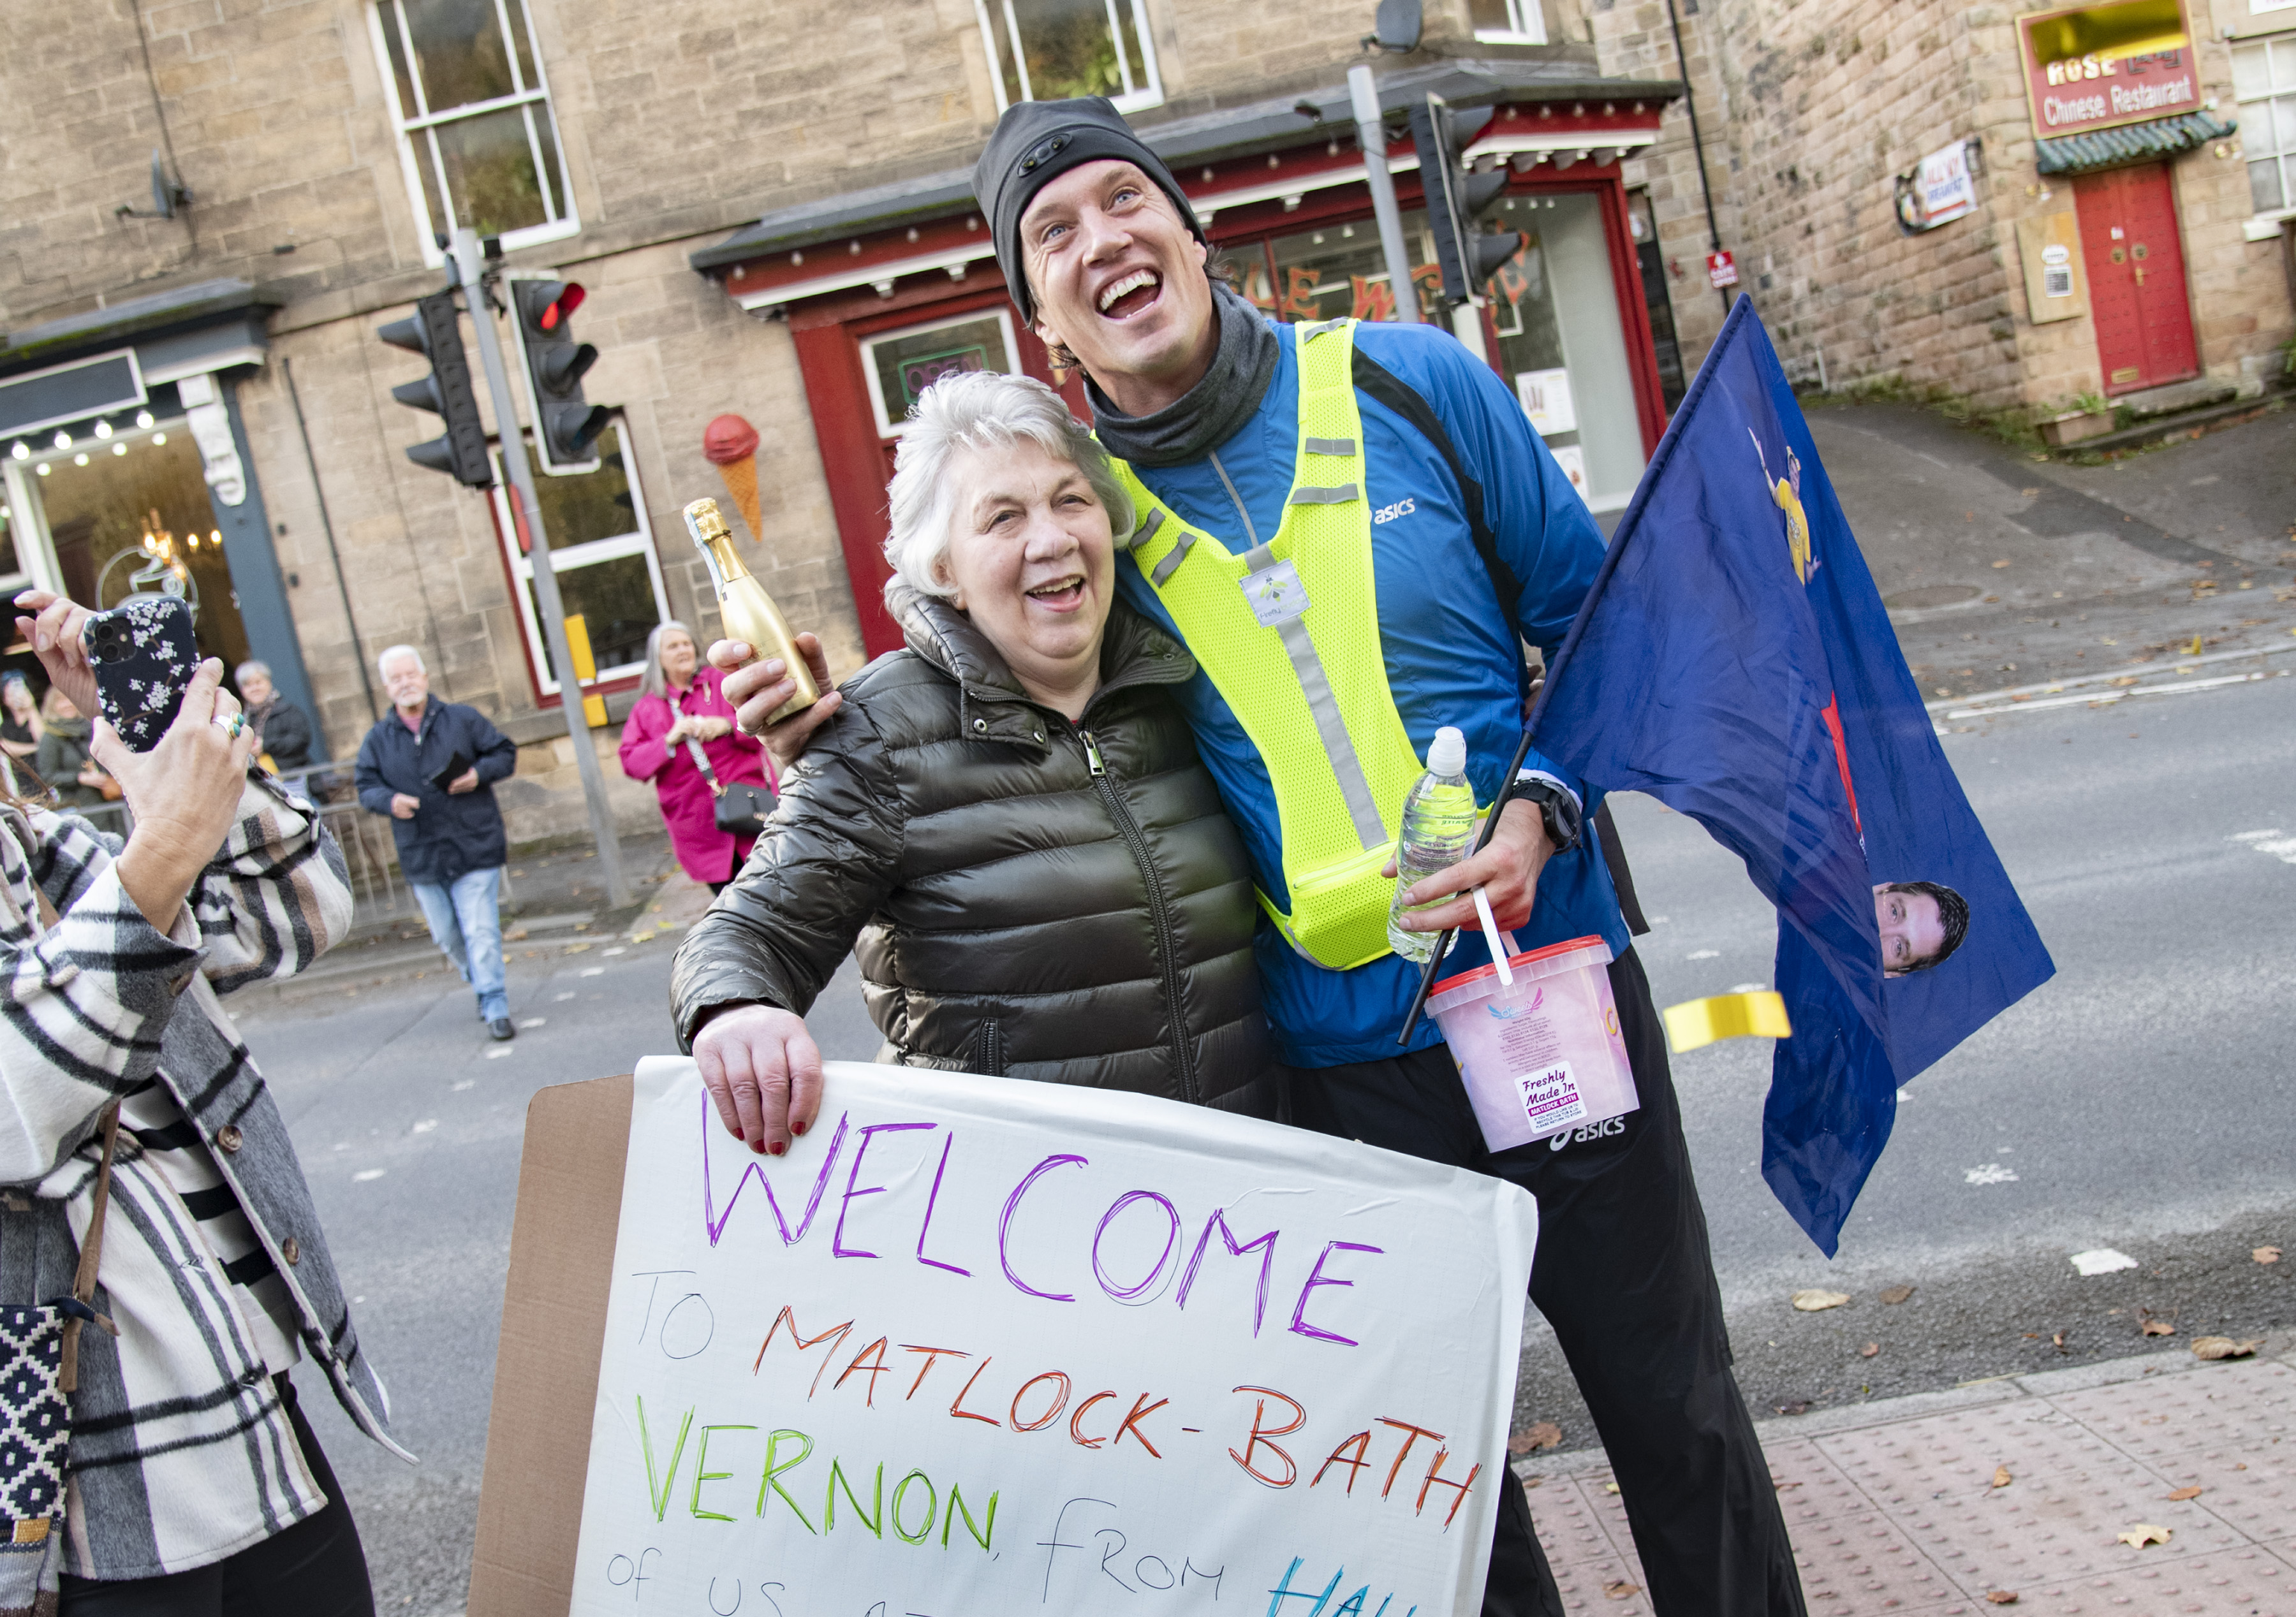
(432, 767)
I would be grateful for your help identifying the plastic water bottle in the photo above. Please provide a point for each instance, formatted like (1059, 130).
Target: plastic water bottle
(1439, 831)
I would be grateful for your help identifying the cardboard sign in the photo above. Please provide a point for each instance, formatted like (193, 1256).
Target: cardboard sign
(2056, 284)
(1721, 270)
(977, 1347)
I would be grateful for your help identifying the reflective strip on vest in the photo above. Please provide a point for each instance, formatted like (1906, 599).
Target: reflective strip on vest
(1310, 691)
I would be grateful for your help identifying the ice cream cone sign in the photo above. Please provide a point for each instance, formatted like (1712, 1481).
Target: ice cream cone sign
(729, 444)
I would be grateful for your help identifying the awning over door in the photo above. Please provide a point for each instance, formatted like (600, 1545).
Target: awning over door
(1239, 157)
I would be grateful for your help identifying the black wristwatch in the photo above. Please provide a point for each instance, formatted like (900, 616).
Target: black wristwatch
(1558, 808)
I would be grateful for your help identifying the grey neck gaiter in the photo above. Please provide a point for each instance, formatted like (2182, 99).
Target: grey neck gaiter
(1208, 413)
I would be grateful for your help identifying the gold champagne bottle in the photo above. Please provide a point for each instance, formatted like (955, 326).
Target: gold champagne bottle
(748, 612)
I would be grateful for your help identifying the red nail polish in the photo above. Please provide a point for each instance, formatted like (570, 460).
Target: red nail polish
(776, 1148)
(797, 1128)
(739, 1135)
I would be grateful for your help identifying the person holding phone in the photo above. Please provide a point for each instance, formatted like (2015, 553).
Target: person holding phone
(432, 767)
(197, 1485)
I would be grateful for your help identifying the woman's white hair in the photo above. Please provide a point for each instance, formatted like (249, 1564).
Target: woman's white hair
(980, 410)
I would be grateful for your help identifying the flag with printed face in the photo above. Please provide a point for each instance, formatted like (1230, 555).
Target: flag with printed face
(1734, 661)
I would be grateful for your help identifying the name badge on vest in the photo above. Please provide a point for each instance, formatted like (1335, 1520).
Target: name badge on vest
(1275, 594)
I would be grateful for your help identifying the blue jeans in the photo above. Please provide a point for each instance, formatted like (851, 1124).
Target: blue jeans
(465, 921)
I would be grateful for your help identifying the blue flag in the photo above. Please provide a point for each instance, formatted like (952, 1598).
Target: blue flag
(1734, 661)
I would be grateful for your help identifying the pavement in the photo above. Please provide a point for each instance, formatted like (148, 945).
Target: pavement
(2023, 1490)
(2003, 568)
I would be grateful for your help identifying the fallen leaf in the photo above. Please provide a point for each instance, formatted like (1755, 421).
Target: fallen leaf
(1610, 1488)
(2001, 564)
(1812, 1302)
(1782, 1487)
(2266, 1254)
(2002, 1596)
(2058, 1341)
(2224, 1347)
(1795, 1407)
(1619, 1588)
(1896, 1294)
(1546, 1434)
(1869, 1350)
(2186, 1493)
(2159, 1328)
(2001, 1477)
(2143, 1533)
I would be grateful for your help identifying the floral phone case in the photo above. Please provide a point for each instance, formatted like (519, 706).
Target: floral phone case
(144, 653)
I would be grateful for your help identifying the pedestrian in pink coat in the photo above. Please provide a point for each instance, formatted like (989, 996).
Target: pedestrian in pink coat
(680, 700)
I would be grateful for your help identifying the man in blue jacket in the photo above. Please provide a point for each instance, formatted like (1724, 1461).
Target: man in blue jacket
(445, 821)
(1441, 532)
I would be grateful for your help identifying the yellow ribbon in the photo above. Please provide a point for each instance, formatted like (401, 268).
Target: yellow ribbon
(1729, 1016)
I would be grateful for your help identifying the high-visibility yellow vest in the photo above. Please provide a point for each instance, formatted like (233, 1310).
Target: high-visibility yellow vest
(1288, 632)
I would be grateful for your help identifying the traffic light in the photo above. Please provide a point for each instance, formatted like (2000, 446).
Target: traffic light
(432, 332)
(565, 423)
(1456, 198)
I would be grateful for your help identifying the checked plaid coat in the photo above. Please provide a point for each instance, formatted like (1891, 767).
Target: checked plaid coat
(181, 1451)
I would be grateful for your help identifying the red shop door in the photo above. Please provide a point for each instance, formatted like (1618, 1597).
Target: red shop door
(2136, 277)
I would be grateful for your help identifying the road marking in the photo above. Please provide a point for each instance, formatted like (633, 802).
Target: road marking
(498, 1053)
(467, 1083)
(562, 998)
(2275, 842)
(2106, 699)
(1991, 1173)
(594, 971)
(1703, 954)
(425, 1126)
(365, 1175)
(536, 1021)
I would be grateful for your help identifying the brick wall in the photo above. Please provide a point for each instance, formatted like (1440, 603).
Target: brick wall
(1810, 107)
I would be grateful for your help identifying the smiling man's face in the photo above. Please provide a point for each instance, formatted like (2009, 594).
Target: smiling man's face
(1119, 282)
(1913, 931)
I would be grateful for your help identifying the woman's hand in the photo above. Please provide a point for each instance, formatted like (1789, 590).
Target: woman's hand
(183, 793)
(680, 728)
(764, 1071)
(54, 631)
(707, 729)
(756, 690)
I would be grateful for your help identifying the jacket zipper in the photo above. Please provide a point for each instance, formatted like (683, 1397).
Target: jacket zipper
(1157, 913)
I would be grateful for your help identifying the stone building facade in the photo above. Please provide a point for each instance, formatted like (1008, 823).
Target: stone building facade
(209, 207)
(1811, 111)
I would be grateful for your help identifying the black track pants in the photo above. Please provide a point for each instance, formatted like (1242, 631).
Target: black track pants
(316, 1568)
(1625, 1275)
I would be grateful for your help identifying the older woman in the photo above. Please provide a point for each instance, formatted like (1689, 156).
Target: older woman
(1008, 813)
(680, 707)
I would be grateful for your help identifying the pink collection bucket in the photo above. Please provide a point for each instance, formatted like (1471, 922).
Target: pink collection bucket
(1543, 1055)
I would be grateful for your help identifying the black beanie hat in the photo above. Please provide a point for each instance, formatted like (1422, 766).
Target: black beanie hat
(1035, 142)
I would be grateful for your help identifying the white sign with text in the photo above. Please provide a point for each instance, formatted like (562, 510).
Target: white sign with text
(978, 1347)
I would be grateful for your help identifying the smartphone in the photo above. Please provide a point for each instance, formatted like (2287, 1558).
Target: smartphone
(144, 653)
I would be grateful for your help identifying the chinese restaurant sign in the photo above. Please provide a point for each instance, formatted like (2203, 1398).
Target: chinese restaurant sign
(977, 1347)
(2097, 67)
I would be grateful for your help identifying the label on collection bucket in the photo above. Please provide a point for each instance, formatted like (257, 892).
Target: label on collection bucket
(1551, 1097)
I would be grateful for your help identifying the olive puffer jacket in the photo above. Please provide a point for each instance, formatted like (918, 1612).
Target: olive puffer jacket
(1032, 898)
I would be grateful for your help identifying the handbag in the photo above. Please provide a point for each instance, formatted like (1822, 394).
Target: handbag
(39, 1370)
(740, 809)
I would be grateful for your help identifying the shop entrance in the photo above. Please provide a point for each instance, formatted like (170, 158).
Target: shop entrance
(2135, 267)
(137, 503)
